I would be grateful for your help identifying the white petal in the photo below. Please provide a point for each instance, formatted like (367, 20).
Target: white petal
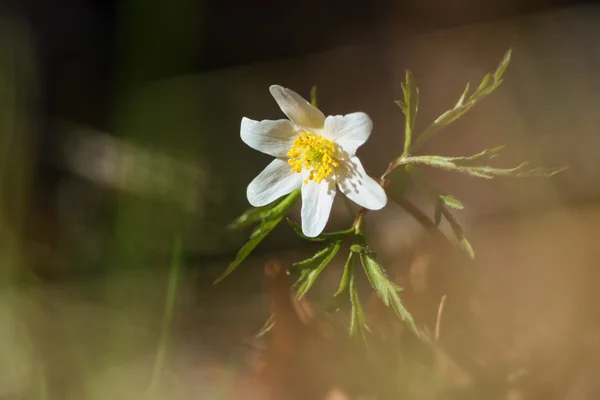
(270, 137)
(359, 187)
(317, 199)
(348, 131)
(298, 110)
(273, 182)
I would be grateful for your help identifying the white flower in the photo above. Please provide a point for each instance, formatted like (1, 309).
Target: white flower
(312, 152)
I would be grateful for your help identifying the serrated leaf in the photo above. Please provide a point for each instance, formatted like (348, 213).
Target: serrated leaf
(309, 276)
(451, 201)
(387, 290)
(488, 90)
(520, 171)
(311, 262)
(466, 245)
(346, 276)
(489, 83)
(452, 115)
(491, 171)
(433, 161)
(436, 197)
(503, 65)
(487, 154)
(459, 233)
(358, 324)
(344, 283)
(543, 172)
(462, 165)
(462, 98)
(485, 83)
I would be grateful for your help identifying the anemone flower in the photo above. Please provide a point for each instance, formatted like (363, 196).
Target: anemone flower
(312, 152)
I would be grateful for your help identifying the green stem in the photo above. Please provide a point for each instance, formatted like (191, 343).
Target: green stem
(167, 315)
(407, 137)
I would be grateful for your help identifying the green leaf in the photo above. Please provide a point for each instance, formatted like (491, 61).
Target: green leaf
(267, 326)
(339, 235)
(253, 214)
(452, 115)
(387, 290)
(459, 232)
(311, 262)
(438, 197)
(249, 217)
(358, 324)
(167, 318)
(463, 165)
(451, 201)
(309, 276)
(466, 245)
(438, 200)
(489, 83)
(485, 83)
(346, 276)
(269, 221)
(503, 65)
(462, 98)
(257, 236)
(409, 107)
(486, 154)
(520, 171)
(344, 283)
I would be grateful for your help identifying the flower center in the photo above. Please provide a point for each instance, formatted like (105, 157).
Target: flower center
(313, 153)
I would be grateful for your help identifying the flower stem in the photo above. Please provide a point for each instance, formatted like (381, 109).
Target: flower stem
(356, 226)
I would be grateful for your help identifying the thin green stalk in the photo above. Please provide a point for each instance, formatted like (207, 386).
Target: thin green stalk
(167, 315)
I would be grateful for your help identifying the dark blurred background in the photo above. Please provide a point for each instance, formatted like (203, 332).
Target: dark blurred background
(81, 46)
(96, 65)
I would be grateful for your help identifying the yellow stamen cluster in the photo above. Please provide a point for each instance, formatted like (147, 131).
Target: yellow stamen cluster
(314, 153)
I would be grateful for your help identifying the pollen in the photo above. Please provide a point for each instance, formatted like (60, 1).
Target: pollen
(315, 154)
